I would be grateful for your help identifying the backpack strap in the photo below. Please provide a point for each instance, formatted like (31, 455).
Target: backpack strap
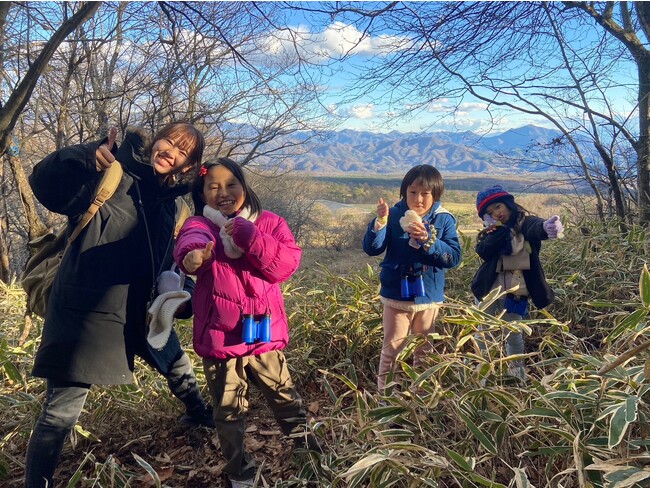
(182, 213)
(109, 182)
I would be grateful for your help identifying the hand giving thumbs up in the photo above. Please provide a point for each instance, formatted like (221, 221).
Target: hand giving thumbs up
(194, 259)
(104, 156)
(382, 212)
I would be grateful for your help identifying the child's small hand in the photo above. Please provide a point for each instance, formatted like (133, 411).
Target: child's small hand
(228, 227)
(103, 156)
(382, 209)
(194, 259)
(418, 231)
(554, 228)
(243, 232)
(382, 215)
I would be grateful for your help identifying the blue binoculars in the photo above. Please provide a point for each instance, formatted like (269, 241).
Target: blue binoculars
(412, 285)
(256, 330)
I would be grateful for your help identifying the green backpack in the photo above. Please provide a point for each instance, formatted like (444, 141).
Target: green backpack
(49, 249)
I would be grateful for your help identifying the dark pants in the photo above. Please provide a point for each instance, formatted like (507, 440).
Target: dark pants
(64, 401)
(228, 382)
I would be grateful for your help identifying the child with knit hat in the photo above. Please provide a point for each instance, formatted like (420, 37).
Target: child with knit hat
(509, 246)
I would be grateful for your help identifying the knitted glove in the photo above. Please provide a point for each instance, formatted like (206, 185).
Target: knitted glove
(169, 281)
(243, 233)
(554, 228)
(488, 221)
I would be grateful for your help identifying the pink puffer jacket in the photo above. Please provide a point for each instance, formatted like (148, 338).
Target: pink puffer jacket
(226, 288)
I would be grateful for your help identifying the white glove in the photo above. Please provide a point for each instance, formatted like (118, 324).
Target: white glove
(554, 228)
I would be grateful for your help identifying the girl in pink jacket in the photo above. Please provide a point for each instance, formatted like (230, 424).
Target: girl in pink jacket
(240, 254)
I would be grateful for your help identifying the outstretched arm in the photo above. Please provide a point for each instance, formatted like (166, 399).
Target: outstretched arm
(65, 181)
(194, 248)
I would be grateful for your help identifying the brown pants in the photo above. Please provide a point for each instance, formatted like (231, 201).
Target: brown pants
(228, 384)
(398, 325)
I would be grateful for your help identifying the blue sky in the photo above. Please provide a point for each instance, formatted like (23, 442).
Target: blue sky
(367, 114)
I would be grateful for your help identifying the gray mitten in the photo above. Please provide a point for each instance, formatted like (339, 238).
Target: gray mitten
(554, 228)
(169, 281)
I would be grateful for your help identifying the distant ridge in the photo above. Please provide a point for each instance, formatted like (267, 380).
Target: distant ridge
(349, 151)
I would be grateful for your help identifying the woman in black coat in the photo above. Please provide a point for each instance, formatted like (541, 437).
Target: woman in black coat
(97, 312)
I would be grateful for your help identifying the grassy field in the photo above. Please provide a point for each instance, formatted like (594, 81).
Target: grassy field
(459, 420)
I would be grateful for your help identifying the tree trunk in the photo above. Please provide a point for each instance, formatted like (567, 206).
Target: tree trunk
(35, 227)
(4, 236)
(614, 184)
(19, 97)
(643, 148)
(10, 112)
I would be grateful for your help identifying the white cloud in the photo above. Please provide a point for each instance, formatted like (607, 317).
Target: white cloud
(338, 39)
(462, 109)
(363, 111)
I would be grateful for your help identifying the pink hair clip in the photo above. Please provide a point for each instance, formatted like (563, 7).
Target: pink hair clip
(203, 171)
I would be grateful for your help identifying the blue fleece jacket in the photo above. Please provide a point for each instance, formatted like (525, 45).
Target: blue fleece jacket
(401, 258)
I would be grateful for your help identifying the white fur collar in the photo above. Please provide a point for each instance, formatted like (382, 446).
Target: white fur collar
(229, 246)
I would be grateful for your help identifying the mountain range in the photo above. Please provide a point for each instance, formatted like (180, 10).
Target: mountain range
(350, 151)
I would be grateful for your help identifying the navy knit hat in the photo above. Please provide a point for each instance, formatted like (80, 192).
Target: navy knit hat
(491, 195)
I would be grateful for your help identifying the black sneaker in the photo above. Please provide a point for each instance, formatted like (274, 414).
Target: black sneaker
(201, 419)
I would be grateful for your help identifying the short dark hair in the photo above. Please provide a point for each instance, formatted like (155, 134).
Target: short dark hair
(428, 176)
(251, 200)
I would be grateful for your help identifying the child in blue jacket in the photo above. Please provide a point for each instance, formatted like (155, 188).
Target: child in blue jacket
(420, 240)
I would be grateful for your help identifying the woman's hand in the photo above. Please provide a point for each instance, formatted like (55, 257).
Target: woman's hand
(194, 259)
(103, 156)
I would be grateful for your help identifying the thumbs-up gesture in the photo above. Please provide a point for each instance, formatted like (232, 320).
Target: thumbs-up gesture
(194, 259)
(382, 211)
(104, 157)
(554, 228)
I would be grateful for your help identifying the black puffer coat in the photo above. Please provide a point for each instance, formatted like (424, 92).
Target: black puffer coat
(96, 315)
(490, 248)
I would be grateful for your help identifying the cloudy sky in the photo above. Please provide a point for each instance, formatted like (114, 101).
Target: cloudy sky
(368, 113)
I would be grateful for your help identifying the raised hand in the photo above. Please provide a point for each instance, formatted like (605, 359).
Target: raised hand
(194, 259)
(554, 228)
(382, 208)
(489, 224)
(103, 156)
(382, 214)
